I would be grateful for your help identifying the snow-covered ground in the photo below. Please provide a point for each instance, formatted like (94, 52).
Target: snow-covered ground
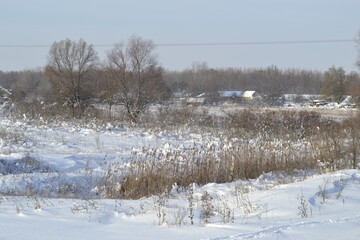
(273, 206)
(332, 203)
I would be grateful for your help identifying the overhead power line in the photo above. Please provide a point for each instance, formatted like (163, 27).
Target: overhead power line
(205, 44)
(254, 43)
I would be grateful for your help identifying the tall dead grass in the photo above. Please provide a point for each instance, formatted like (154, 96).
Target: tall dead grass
(261, 143)
(156, 173)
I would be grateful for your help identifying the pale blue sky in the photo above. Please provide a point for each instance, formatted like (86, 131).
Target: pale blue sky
(105, 22)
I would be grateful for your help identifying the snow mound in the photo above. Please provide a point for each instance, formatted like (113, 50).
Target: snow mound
(24, 165)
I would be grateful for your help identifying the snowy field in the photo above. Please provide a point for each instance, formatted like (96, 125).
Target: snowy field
(307, 205)
(270, 213)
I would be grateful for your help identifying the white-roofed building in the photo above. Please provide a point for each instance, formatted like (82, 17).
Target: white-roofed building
(251, 95)
(230, 94)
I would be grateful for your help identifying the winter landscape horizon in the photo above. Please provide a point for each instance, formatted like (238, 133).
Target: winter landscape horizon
(163, 119)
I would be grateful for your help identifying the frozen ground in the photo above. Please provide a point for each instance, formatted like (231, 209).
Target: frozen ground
(272, 213)
(328, 111)
(306, 206)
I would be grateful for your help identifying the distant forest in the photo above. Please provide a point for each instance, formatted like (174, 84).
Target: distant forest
(267, 81)
(31, 85)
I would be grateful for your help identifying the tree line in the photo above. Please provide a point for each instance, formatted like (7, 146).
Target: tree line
(131, 76)
(268, 81)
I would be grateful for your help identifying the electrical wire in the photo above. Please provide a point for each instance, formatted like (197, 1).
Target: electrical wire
(206, 44)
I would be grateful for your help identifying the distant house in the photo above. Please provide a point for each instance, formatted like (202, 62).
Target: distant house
(181, 94)
(230, 94)
(302, 97)
(251, 95)
(239, 95)
(179, 98)
(317, 102)
(4, 95)
(348, 102)
(4, 92)
(195, 101)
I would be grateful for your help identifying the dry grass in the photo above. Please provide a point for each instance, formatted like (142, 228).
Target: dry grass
(268, 142)
(156, 173)
(250, 143)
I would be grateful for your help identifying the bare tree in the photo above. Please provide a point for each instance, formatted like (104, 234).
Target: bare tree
(353, 85)
(334, 84)
(358, 50)
(138, 77)
(108, 89)
(69, 68)
(271, 80)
